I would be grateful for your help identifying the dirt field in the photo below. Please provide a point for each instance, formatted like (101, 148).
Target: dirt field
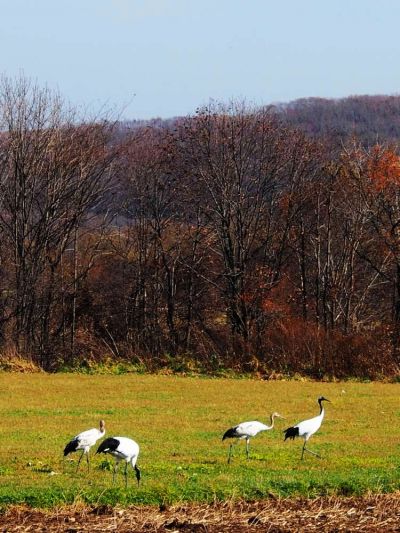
(370, 514)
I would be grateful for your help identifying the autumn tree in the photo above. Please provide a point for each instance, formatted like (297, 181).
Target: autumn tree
(53, 170)
(245, 169)
(376, 172)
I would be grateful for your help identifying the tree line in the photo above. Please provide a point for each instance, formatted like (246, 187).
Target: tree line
(227, 239)
(370, 119)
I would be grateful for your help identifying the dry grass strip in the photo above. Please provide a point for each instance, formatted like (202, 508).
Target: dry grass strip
(374, 513)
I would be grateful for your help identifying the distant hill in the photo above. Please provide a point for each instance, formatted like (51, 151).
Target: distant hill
(370, 118)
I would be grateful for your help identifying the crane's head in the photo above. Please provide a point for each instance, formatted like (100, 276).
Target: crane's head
(102, 425)
(277, 415)
(323, 399)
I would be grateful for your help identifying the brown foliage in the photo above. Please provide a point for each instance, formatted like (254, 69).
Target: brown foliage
(294, 346)
(236, 243)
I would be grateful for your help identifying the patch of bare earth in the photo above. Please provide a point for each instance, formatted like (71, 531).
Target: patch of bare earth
(375, 513)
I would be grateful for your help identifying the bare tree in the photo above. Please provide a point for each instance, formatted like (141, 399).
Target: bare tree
(247, 168)
(376, 173)
(54, 169)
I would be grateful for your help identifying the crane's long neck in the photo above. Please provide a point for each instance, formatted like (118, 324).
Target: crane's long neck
(321, 409)
(272, 421)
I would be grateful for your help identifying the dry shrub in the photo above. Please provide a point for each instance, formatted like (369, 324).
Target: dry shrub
(289, 346)
(12, 361)
(295, 346)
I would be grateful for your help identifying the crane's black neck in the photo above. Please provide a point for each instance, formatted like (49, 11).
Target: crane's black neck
(320, 405)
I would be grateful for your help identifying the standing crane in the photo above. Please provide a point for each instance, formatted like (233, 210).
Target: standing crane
(245, 430)
(307, 428)
(84, 441)
(123, 449)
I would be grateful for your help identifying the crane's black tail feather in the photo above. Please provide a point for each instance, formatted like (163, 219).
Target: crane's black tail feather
(291, 433)
(108, 445)
(138, 474)
(71, 447)
(229, 434)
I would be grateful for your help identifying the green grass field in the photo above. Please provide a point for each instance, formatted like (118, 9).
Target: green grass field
(178, 422)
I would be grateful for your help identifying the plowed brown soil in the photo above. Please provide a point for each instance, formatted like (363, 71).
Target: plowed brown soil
(369, 514)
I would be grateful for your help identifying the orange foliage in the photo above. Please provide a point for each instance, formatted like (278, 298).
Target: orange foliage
(383, 169)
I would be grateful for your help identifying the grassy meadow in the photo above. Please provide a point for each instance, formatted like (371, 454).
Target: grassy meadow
(178, 423)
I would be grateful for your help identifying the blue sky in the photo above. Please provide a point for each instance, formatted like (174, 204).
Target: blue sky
(150, 58)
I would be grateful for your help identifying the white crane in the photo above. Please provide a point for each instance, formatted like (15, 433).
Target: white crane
(84, 441)
(307, 428)
(123, 449)
(245, 430)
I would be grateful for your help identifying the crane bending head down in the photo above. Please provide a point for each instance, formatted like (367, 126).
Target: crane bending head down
(122, 449)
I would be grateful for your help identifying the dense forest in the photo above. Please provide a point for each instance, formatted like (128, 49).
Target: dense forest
(370, 119)
(255, 239)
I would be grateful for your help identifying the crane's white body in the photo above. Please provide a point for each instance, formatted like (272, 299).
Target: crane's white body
(127, 450)
(250, 429)
(123, 449)
(246, 430)
(84, 441)
(88, 438)
(307, 428)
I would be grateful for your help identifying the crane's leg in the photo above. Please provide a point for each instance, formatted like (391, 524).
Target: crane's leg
(80, 459)
(115, 471)
(126, 475)
(309, 451)
(230, 453)
(231, 450)
(312, 453)
(247, 448)
(302, 452)
(88, 463)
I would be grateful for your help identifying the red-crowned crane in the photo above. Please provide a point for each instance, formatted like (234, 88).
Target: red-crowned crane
(245, 430)
(84, 441)
(123, 449)
(307, 428)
